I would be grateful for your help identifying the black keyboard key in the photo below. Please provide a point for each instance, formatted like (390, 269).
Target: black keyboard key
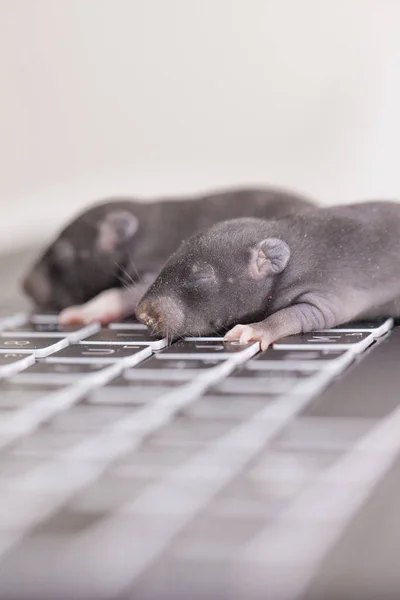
(40, 347)
(303, 359)
(50, 317)
(124, 392)
(129, 324)
(89, 417)
(10, 320)
(378, 327)
(57, 372)
(47, 443)
(202, 349)
(14, 396)
(73, 332)
(11, 362)
(227, 406)
(148, 460)
(170, 369)
(267, 375)
(320, 433)
(96, 353)
(130, 336)
(108, 494)
(184, 431)
(340, 340)
(254, 382)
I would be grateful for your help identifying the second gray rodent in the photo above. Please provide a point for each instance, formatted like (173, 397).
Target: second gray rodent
(121, 246)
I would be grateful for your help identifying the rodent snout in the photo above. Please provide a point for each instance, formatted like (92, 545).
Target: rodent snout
(161, 314)
(36, 285)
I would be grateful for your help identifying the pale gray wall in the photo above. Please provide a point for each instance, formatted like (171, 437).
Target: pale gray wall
(163, 96)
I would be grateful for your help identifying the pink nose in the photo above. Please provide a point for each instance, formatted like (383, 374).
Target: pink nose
(162, 314)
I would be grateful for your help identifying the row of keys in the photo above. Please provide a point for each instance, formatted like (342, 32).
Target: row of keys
(66, 363)
(308, 351)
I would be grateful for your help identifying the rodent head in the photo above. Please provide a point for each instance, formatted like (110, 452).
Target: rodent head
(83, 261)
(217, 278)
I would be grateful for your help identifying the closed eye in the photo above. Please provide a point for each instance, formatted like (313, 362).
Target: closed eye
(201, 281)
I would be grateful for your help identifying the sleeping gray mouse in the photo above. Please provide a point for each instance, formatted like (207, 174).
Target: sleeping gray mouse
(113, 244)
(267, 279)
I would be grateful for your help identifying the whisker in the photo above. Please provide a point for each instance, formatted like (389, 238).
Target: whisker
(132, 263)
(124, 274)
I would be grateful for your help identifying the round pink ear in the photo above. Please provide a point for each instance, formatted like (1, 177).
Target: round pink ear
(117, 228)
(269, 257)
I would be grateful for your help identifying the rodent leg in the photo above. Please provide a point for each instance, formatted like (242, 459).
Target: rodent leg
(110, 305)
(298, 318)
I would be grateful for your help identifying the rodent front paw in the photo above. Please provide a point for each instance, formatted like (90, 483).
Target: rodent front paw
(249, 333)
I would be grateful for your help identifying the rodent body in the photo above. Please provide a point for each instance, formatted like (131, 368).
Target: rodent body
(268, 278)
(114, 250)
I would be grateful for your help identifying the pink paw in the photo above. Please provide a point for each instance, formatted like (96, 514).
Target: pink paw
(249, 333)
(105, 307)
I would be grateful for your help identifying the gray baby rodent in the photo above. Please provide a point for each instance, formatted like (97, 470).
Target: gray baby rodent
(127, 242)
(267, 279)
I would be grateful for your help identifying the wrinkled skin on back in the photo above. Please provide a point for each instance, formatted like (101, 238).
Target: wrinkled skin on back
(308, 271)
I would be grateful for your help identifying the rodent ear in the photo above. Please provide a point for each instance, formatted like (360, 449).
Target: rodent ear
(269, 257)
(117, 228)
(63, 251)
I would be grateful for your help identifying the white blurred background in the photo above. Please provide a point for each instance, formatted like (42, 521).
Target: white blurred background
(151, 97)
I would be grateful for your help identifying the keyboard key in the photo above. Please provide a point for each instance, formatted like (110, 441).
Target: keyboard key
(108, 494)
(13, 468)
(74, 333)
(9, 320)
(318, 433)
(378, 327)
(68, 522)
(56, 372)
(202, 349)
(170, 369)
(96, 353)
(46, 443)
(123, 392)
(44, 318)
(267, 375)
(289, 471)
(127, 336)
(319, 340)
(86, 417)
(11, 362)
(212, 539)
(40, 347)
(15, 396)
(252, 382)
(226, 407)
(132, 325)
(301, 359)
(190, 432)
(151, 460)
(247, 498)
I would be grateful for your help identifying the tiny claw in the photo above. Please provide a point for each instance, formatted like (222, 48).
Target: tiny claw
(246, 336)
(234, 333)
(247, 333)
(70, 316)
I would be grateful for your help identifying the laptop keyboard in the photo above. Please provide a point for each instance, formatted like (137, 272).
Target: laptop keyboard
(134, 469)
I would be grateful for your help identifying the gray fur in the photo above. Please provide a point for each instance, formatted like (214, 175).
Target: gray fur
(111, 249)
(344, 264)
